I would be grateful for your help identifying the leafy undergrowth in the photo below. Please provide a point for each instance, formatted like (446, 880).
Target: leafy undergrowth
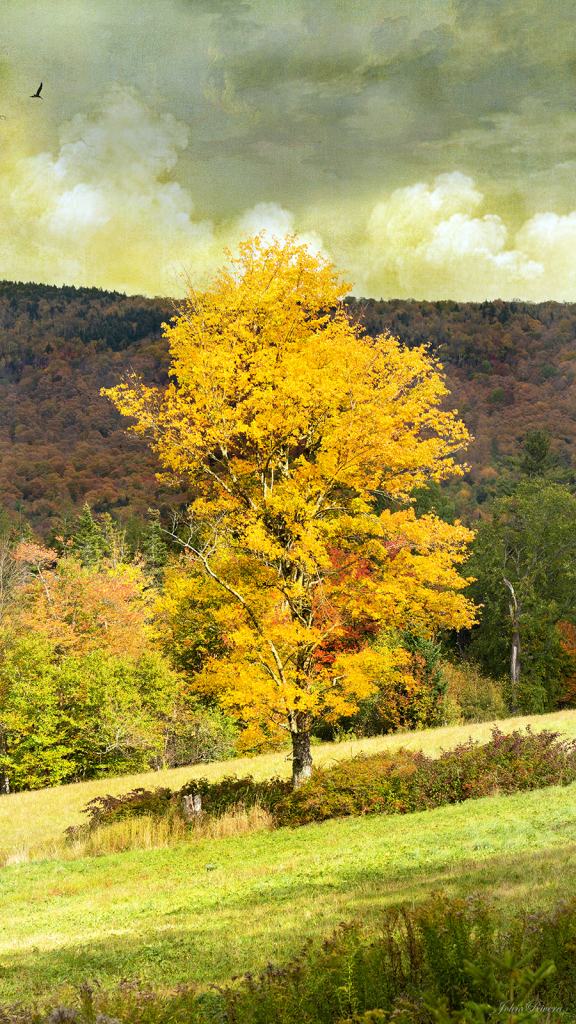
(384, 783)
(442, 959)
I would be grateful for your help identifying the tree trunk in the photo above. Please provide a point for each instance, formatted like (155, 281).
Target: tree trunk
(4, 780)
(515, 608)
(301, 755)
(515, 666)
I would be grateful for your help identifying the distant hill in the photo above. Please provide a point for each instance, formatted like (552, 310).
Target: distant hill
(509, 366)
(61, 444)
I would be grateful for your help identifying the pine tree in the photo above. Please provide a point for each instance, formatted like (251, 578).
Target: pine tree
(154, 549)
(89, 543)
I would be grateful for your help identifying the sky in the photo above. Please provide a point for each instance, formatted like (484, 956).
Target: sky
(426, 147)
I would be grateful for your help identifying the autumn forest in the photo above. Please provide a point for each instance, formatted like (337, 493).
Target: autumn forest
(184, 592)
(509, 368)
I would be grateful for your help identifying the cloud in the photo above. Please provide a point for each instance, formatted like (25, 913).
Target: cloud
(103, 211)
(430, 242)
(276, 222)
(106, 211)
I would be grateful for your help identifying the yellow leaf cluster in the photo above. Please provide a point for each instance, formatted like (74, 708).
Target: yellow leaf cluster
(288, 425)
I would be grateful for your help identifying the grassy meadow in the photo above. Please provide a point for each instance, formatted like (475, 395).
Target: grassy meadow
(222, 904)
(32, 823)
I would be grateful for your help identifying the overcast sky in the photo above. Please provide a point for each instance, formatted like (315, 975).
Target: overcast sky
(428, 147)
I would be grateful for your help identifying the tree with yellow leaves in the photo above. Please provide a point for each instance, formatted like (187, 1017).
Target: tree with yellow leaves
(289, 425)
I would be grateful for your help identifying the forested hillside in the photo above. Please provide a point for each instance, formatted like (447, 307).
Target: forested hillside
(136, 658)
(61, 444)
(510, 367)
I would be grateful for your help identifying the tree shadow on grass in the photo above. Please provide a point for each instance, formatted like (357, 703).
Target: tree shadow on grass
(272, 925)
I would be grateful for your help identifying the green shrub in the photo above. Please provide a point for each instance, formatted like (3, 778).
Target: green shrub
(478, 698)
(437, 960)
(217, 799)
(70, 717)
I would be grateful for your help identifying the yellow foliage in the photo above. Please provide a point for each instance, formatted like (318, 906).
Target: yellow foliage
(289, 424)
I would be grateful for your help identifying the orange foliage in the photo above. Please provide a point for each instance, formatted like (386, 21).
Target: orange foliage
(80, 608)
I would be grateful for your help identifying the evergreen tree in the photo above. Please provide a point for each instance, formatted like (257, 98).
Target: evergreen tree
(154, 548)
(537, 459)
(88, 543)
(114, 546)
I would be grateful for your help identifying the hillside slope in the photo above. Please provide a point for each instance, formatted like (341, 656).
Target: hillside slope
(203, 912)
(509, 367)
(61, 444)
(34, 817)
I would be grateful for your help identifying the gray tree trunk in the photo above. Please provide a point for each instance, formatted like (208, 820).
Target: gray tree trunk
(4, 780)
(301, 754)
(515, 609)
(515, 668)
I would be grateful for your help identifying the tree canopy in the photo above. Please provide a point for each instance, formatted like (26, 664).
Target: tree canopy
(288, 426)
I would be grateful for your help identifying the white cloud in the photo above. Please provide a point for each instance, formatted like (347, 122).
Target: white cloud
(429, 242)
(101, 212)
(275, 222)
(551, 239)
(107, 212)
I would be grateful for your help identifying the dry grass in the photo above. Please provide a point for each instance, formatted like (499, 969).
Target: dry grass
(32, 823)
(143, 833)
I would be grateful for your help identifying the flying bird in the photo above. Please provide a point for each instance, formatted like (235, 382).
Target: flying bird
(36, 95)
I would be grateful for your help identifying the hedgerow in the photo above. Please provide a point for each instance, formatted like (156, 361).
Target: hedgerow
(406, 781)
(217, 798)
(383, 783)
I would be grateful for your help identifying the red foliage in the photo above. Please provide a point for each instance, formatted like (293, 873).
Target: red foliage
(567, 694)
(354, 632)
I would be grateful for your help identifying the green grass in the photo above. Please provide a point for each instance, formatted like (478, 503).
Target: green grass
(203, 912)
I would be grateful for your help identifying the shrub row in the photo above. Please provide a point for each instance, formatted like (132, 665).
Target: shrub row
(217, 798)
(384, 783)
(448, 951)
(397, 783)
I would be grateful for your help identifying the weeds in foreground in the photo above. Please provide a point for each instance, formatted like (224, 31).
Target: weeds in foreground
(449, 960)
